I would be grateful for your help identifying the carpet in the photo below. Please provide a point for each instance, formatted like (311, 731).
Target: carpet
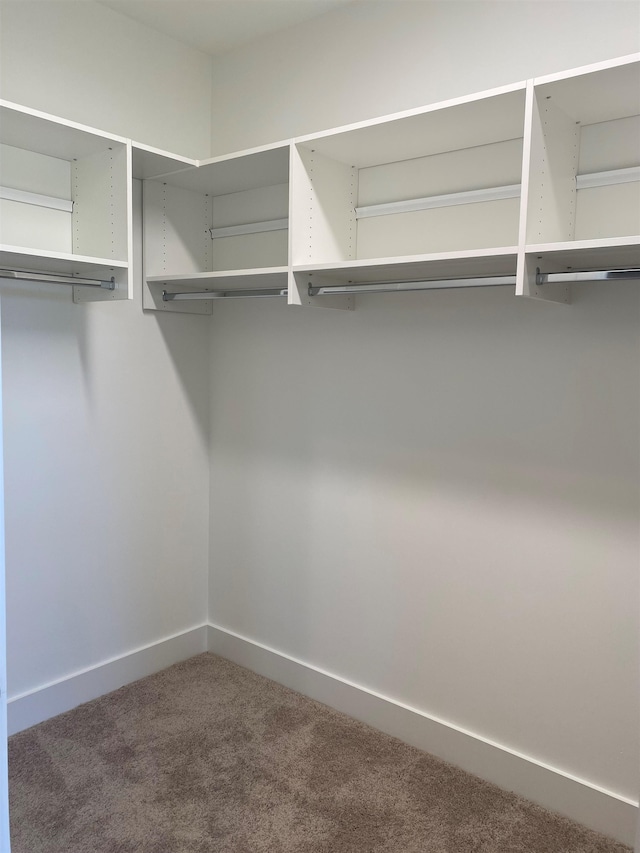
(208, 757)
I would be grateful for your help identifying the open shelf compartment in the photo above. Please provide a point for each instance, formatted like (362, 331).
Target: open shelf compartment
(65, 199)
(228, 216)
(440, 180)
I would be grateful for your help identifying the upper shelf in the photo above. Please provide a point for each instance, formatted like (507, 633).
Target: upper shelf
(217, 176)
(42, 133)
(148, 162)
(467, 122)
(65, 202)
(602, 92)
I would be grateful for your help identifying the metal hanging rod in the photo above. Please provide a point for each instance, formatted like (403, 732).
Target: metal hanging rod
(488, 281)
(400, 286)
(52, 278)
(223, 294)
(593, 275)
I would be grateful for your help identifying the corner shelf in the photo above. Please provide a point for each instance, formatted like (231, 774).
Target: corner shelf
(66, 208)
(220, 225)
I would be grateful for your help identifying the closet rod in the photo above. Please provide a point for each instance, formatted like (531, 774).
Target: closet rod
(52, 278)
(592, 275)
(397, 286)
(489, 281)
(223, 294)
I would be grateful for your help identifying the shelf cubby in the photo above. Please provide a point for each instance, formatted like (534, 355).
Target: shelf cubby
(65, 201)
(583, 205)
(431, 182)
(222, 225)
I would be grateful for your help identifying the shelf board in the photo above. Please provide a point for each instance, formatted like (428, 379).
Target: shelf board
(483, 262)
(21, 127)
(251, 279)
(58, 263)
(603, 92)
(149, 162)
(610, 253)
(225, 175)
(453, 125)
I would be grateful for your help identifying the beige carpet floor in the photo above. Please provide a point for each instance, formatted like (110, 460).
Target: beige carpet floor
(207, 757)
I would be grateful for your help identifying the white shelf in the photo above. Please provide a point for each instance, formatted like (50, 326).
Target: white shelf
(488, 262)
(66, 264)
(40, 132)
(467, 122)
(149, 162)
(60, 263)
(596, 93)
(442, 179)
(65, 206)
(222, 223)
(220, 176)
(587, 254)
(252, 279)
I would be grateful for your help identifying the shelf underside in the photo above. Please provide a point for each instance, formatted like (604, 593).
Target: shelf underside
(152, 163)
(16, 258)
(467, 125)
(55, 139)
(262, 169)
(253, 279)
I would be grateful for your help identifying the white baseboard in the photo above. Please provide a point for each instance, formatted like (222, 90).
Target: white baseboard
(552, 788)
(44, 702)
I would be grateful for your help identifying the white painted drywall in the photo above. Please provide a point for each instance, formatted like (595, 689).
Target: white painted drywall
(106, 412)
(107, 479)
(5, 841)
(437, 496)
(380, 56)
(82, 61)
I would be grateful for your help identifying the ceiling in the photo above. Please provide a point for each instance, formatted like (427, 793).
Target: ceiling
(217, 26)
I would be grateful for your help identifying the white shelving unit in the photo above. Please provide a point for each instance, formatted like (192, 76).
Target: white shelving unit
(219, 226)
(582, 168)
(65, 203)
(503, 187)
(422, 194)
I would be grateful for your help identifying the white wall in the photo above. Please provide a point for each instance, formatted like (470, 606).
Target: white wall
(373, 58)
(437, 496)
(87, 63)
(106, 412)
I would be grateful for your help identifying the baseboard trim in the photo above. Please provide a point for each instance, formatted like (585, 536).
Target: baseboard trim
(578, 799)
(35, 706)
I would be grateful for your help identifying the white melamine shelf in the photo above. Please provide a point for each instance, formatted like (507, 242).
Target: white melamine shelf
(465, 122)
(254, 279)
(149, 162)
(65, 206)
(581, 206)
(601, 92)
(488, 262)
(42, 133)
(220, 176)
(58, 263)
(612, 253)
(439, 180)
(222, 224)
